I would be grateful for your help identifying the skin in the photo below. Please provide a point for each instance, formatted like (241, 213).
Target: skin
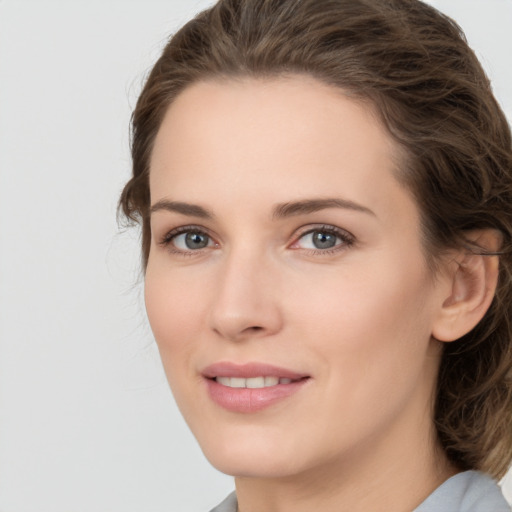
(358, 319)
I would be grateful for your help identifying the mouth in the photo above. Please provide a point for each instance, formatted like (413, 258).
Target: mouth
(250, 387)
(254, 382)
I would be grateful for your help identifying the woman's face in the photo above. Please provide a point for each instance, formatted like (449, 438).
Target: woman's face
(286, 286)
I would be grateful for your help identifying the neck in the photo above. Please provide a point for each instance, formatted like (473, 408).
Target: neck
(396, 472)
(398, 486)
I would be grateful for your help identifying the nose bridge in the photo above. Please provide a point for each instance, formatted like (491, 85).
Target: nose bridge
(245, 303)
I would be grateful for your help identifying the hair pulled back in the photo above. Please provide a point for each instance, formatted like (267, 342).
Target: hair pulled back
(413, 66)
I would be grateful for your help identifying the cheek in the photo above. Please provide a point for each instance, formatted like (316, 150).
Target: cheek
(369, 334)
(175, 307)
(371, 327)
(366, 302)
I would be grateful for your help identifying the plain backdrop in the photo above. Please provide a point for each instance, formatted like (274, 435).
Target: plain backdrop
(87, 423)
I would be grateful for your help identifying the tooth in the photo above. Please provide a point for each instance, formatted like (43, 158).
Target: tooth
(271, 381)
(255, 382)
(252, 382)
(237, 382)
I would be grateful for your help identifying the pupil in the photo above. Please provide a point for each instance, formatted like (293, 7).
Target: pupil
(322, 240)
(196, 240)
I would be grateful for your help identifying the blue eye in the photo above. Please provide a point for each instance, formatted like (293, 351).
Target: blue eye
(187, 240)
(324, 239)
(192, 240)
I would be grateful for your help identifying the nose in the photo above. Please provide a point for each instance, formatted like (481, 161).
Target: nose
(246, 304)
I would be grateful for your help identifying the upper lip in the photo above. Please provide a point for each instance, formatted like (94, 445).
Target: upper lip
(249, 370)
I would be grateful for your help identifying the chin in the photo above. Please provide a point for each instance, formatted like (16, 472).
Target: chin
(257, 467)
(254, 457)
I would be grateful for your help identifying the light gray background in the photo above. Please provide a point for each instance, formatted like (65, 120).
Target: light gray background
(87, 423)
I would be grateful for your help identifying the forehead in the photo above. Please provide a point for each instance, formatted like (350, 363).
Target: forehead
(276, 112)
(276, 138)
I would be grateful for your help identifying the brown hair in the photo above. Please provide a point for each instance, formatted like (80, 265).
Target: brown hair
(413, 65)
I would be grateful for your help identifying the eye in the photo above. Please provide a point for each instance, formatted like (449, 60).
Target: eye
(324, 239)
(186, 240)
(319, 240)
(192, 240)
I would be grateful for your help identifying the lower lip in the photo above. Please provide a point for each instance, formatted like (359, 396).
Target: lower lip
(249, 400)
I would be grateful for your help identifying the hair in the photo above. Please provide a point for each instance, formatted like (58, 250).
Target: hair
(412, 64)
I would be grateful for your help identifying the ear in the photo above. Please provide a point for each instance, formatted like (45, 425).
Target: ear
(471, 283)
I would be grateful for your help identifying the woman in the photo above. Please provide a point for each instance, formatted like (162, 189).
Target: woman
(325, 192)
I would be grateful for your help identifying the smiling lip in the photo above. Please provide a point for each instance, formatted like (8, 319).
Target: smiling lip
(240, 391)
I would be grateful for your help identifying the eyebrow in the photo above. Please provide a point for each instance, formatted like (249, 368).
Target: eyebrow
(192, 210)
(280, 211)
(314, 205)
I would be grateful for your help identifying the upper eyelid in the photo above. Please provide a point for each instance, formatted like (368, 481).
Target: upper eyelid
(187, 228)
(323, 227)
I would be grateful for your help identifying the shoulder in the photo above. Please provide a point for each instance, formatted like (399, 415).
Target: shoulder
(470, 491)
(228, 505)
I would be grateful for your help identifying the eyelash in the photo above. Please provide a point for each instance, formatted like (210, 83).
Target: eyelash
(346, 238)
(167, 239)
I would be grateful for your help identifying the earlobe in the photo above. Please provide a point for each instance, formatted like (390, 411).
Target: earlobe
(472, 278)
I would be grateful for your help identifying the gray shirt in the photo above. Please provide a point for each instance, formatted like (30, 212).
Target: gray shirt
(470, 491)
